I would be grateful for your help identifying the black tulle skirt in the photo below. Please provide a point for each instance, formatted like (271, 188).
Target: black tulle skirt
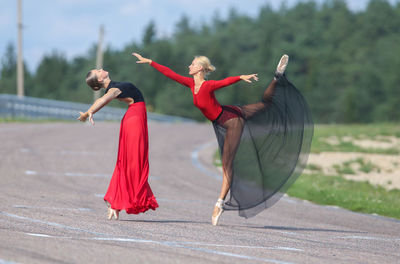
(273, 143)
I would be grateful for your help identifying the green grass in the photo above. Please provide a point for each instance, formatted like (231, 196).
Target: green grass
(358, 130)
(364, 166)
(217, 158)
(335, 190)
(344, 168)
(313, 167)
(356, 196)
(364, 131)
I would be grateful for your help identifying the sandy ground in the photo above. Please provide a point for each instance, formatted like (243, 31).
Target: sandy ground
(384, 169)
(379, 142)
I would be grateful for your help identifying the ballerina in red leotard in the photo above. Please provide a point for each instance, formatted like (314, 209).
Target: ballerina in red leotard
(263, 146)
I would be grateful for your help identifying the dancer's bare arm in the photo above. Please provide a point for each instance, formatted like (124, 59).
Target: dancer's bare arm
(98, 104)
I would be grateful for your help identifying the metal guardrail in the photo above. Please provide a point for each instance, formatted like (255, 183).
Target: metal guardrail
(12, 106)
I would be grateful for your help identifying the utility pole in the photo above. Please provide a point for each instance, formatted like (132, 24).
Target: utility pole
(99, 57)
(20, 65)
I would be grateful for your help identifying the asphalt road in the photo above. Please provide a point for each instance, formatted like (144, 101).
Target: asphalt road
(54, 175)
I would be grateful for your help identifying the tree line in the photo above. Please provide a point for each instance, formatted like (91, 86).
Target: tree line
(345, 63)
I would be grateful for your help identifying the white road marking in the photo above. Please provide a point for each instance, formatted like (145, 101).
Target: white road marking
(182, 201)
(358, 237)
(51, 224)
(108, 238)
(25, 150)
(288, 233)
(238, 246)
(66, 152)
(67, 174)
(289, 249)
(2, 261)
(72, 152)
(51, 208)
(169, 200)
(215, 252)
(369, 238)
(38, 235)
(179, 245)
(77, 174)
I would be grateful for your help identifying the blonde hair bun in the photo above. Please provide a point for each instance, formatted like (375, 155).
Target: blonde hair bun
(205, 63)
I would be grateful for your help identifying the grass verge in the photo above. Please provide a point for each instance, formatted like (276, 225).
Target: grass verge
(353, 195)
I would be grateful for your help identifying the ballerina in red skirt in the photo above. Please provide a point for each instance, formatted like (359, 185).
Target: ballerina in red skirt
(129, 189)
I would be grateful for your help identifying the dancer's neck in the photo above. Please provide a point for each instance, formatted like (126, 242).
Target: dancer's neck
(106, 82)
(198, 78)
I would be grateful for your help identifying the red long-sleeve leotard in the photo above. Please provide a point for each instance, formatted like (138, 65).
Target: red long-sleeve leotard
(204, 99)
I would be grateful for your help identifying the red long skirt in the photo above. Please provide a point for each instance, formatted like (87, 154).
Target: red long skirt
(129, 189)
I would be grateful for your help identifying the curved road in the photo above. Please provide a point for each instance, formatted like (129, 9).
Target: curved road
(53, 177)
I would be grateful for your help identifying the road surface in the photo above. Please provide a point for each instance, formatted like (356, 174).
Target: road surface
(54, 175)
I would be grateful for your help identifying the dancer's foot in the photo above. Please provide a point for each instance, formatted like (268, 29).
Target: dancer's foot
(109, 213)
(280, 69)
(218, 209)
(115, 214)
(109, 210)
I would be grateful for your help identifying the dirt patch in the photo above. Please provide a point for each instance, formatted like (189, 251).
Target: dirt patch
(378, 142)
(377, 169)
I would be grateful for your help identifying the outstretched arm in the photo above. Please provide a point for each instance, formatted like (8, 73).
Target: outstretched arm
(231, 80)
(98, 104)
(165, 70)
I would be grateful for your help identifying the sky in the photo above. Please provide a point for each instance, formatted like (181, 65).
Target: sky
(71, 27)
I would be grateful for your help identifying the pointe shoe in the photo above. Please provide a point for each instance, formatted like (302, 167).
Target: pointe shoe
(280, 69)
(219, 205)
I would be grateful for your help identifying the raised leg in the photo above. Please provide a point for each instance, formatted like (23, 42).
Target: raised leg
(250, 109)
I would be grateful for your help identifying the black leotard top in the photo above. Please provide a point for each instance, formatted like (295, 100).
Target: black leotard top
(127, 90)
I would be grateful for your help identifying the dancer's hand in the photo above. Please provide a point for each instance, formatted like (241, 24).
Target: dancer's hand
(141, 59)
(247, 78)
(84, 116)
